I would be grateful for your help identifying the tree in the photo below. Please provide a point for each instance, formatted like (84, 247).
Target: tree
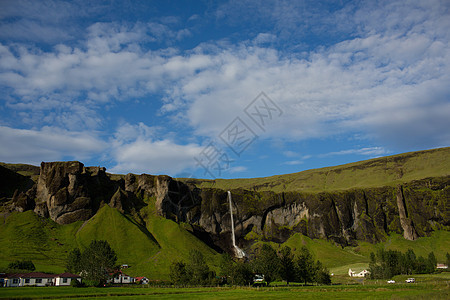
(241, 274)
(431, 263)
(408, 262)
(267, 263)
(287, 267)
(305, 266)
(447, 256)
(179, 274)
(391, 266)
(322, 275)
(22, 265)
(74, 261)
(198, 269)
(421, 265)
(97, 261)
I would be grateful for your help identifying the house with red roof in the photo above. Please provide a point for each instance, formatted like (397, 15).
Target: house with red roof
(120, 278)
(141, 280)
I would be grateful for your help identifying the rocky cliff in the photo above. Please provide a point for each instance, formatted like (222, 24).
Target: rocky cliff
(69, 191)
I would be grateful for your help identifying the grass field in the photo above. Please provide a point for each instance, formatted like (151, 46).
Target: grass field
(427, 287)
(384, 171)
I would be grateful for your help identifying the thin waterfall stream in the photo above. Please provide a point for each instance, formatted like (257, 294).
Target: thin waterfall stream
(238, 251)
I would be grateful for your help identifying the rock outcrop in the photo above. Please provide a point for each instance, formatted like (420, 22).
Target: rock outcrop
(409, 232)
(68, 191)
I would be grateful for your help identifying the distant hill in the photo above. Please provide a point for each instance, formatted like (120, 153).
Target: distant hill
(377, 172)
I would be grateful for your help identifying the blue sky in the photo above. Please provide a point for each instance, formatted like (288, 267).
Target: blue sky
(223, 89)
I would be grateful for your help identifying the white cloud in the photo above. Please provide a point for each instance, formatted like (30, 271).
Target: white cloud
(369, 151)
(135, 149)
(293, 162)
(47, 144)
(290, 153)
(237, 169)
(381, 83)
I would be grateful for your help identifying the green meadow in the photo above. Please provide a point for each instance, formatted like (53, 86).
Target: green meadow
(427, 287)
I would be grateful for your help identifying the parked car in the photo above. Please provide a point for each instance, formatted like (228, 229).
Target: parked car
(258, 280)
(391, 281)
(410, 280)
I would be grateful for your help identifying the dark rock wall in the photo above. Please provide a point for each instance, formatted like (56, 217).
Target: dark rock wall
(68, 192)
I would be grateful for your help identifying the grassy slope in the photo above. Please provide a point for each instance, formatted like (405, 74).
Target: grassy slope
(27, 236)
(376, 172)
(149, 251)
(23, 169)
(175, 242)
(131, 244)
(339, 260)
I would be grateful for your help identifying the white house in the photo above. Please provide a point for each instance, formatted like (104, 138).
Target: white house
(441, 266)
(65, 279)
(121, 278)
(33, 278)
(363, 273)
(37, 279)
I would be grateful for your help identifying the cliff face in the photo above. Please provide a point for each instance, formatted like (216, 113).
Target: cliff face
(413, 209)
(68, 192)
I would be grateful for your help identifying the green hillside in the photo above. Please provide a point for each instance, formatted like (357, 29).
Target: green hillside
(384, 171)
(339, 259)
(131, 243)
(28, 236)
(149, 251)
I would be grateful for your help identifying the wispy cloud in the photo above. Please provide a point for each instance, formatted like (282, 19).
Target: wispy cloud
(293, 162)
(47, 144)
(370, 151)
(237, 169)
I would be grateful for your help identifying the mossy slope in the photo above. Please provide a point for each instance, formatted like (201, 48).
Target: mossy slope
(378, 172)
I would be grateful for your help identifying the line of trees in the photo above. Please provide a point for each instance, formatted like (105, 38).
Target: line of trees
(282, 265)
(388, 263)
(287, 266)
(25, 265)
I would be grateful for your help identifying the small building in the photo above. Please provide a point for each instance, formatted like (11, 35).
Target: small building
(32, 278)
(121, 278)
(142, 280)
(65, 279)
(441, 266)
(363, 273)
(36, 279)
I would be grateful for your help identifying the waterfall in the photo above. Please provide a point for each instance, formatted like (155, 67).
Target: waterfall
(238, 251)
